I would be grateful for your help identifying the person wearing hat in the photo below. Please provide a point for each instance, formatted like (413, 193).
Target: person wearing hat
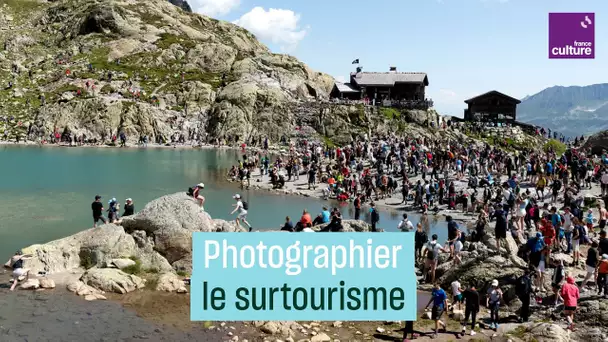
(19, 271)
(493, 299)
(129, 208)
(97, 208)
(242, 208)
(602, 276)
(197, 195)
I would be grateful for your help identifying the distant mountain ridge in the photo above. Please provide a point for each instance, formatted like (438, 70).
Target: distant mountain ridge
(572, 111)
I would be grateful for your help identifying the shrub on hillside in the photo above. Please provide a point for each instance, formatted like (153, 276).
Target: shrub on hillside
(556, 146)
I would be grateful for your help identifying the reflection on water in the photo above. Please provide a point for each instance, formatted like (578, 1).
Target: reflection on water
(46, 193)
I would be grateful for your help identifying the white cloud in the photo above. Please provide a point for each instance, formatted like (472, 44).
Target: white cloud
(279, 26)
(214, 7)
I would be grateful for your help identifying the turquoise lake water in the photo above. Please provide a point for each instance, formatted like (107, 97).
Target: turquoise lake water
(46, 192)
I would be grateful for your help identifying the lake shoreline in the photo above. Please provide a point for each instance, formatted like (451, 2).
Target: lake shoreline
(290, 188)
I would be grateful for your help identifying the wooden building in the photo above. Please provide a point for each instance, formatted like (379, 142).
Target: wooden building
(382, 86)
(492, 106)
(345, 91)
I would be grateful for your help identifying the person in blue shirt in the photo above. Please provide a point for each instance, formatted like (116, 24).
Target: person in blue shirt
(440, 302)
(323, 217)
(535, 245)
(549, 169)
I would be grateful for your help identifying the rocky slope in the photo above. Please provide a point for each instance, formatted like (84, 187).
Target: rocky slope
(573, 111)
(598, 143)
(98, 67)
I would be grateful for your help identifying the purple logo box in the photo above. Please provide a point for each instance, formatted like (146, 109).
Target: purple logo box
(571, 35)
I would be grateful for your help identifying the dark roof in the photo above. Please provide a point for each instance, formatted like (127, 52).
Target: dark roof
(389, 78)
(346, 88)
(493, 92)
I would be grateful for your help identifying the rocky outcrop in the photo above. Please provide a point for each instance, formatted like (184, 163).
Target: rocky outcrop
(348, 226)
(92, 248)
(182, 4)
(170, 282)
(543, 332)
(112, 280)
(482, 263)
(169, 221)
(597, 142)
(158, 239)
(145, 68)
(88, 292)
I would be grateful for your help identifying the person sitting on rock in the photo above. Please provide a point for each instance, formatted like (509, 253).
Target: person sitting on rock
(305, 221)
(19, 271)
(197, 195)
(323, 217)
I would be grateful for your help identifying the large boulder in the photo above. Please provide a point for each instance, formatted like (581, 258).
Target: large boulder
(80, 288)
(170, 282)
(30, 284)
(46, 283)
(597, 142)
(112, 280)
(170, 221)
(90, 248)
(545, 332)
(481, 271)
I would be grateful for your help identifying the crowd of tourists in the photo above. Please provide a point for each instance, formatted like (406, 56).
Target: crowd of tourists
(541, 198)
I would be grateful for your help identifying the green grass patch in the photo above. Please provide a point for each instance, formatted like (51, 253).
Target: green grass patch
(106, 89)
(166, 40)
(152, 270)
(66, 88)
(556, 146)
(85, 260)
(328, 142)
(23, 8)
(182, 273)
(390, 113)
(146, 15)
(134, 269)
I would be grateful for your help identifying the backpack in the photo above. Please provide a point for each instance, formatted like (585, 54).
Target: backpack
(521, 288)
(511, 197)
(245, 205)
(191, 190)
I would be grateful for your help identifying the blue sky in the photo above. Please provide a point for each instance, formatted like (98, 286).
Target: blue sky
(467, 47)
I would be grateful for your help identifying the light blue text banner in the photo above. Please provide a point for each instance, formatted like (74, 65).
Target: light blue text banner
(299, 276)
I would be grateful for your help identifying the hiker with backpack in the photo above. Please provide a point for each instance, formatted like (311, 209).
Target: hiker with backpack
(195, 192)
(242, 207)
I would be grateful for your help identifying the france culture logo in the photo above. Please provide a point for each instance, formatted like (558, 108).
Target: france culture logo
(571, 35)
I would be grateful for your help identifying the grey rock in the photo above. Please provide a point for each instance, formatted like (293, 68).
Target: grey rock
(112, 280)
